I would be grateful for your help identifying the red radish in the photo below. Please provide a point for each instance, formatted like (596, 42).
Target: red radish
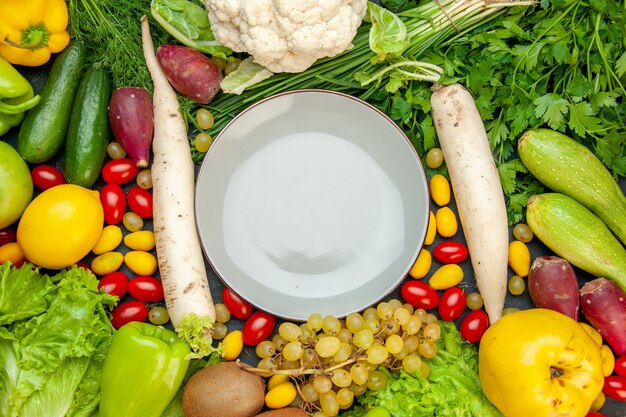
(477, 190)
(181, 262)
(552, 284)
(603, 302)
(190, 72)
(132, 122)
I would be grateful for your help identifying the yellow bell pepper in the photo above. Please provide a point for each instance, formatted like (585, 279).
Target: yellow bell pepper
(32, 30)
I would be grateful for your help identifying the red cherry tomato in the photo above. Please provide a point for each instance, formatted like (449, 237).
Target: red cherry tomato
(140, 202)
(620, 366)
(115, 283)
(474, 325)
(46, 176)
(452, 303)
(20, 263)
(258, 327)
(615, 387)
(594, 414)
(119, 171)
(113, 202)
(146, 289)
(419, 294)
(237, 306)
(7, 235)
(84, 265)
(129, 311)
(450, 252)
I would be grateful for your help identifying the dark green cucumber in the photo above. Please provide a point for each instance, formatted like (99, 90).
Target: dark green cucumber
(577, 235)
(568, 167)
(88, 130)
(43, 131)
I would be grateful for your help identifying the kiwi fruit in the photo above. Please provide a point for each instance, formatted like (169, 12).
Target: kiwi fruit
(284, 412)
(223, 390)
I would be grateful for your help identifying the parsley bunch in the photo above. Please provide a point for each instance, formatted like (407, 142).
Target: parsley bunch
(560, 65)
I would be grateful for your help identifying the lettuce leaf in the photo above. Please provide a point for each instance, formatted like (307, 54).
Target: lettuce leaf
(23, 294)
(52, 343)
(451, 389)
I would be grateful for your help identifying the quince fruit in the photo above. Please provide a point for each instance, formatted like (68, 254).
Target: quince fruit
(539, 362)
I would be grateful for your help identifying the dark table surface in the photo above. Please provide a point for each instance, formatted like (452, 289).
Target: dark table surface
(612, 408)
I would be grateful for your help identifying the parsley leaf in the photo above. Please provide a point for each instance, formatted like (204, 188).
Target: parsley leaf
(582, 118)
(552, 109)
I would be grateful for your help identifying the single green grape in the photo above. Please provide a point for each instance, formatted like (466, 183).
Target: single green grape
(376, 354)
(315, 322)
(222, 315)
(327, 346)
(394, 344)
(354, 322)
(522, 232)
(289, 331)
(205, 119)
(474, 301)
(158, 315)
(363, 339)
(293, 351)
(411, 363)
(517, 285)
(341, 378)
(322, 384)
(202, 142)
(434, 158)
(115, 150)
(345, 397)
(359, 373)
(377, 380)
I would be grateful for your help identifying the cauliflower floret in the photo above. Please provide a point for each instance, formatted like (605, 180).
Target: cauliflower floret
(286, 35)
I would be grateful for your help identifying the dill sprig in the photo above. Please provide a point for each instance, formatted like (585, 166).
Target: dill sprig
(112, 33)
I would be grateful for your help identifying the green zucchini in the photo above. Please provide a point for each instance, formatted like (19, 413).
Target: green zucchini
(42, 133)
(574, 233)
(568, 167)
(88, 131)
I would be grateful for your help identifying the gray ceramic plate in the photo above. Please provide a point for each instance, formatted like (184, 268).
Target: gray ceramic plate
(311, 201)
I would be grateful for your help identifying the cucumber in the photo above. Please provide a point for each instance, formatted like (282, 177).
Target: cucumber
(568, 167)
(88, 131)
(42, 133)
(574, 233)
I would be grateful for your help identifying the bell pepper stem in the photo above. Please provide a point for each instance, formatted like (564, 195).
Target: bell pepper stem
(7, 108)
(33, 37)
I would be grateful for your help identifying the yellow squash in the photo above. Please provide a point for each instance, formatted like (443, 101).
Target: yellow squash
(32, 30)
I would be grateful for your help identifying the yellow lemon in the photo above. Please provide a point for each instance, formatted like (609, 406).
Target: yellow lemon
(60, 226)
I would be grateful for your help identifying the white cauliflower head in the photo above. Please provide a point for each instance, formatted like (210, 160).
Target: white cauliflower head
(286, 35)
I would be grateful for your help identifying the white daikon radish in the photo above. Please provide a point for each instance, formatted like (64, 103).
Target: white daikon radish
(181, 262)
(477, 190)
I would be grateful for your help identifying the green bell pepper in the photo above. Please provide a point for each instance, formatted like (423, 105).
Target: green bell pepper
(142, 371)
(16, 97)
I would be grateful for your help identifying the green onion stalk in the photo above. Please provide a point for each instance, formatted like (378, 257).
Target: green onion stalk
(365, 71)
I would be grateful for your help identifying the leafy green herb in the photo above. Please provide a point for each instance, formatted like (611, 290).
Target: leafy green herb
(560, 66)
(112, 33)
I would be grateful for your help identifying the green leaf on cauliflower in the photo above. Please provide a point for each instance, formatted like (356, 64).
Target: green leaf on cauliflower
(188, 22)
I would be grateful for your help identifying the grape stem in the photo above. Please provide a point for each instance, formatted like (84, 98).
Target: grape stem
(294, 372)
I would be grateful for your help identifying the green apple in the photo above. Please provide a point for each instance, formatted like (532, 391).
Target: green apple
(16, 185)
